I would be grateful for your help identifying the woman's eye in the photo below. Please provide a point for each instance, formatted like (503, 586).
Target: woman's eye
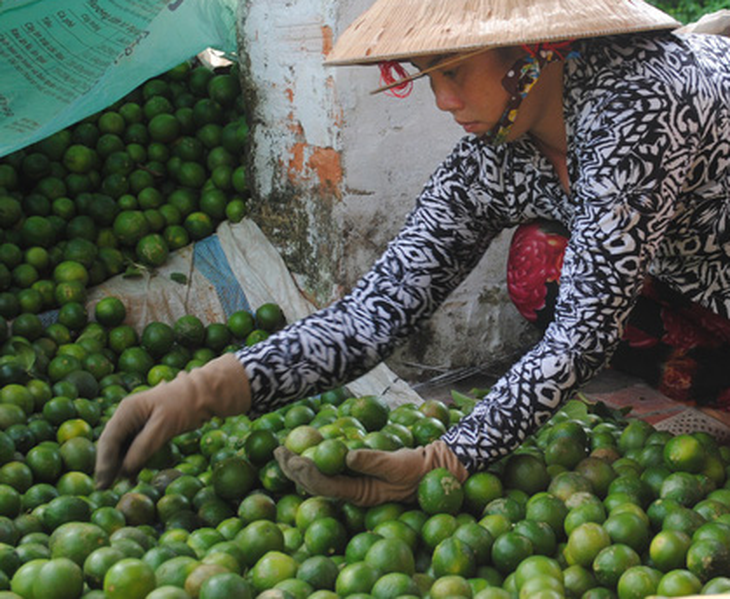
(451, 72)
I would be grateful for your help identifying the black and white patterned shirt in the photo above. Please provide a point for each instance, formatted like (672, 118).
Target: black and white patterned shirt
(648, 129)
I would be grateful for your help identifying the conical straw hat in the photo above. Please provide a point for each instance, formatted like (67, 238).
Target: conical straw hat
(401, 29)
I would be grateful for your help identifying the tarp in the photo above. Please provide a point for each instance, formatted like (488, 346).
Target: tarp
(63, 60)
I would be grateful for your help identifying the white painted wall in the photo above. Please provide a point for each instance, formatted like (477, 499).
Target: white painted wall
(387, 148)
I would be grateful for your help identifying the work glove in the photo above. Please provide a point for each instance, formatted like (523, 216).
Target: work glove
(386, 475)
(150, 418)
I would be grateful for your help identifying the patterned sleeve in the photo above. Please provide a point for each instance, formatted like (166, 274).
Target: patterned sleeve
(628, 163)
(442, 240)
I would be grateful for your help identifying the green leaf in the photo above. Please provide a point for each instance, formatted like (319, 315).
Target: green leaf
(179, 277)
(575, 409)
(132, 272)
(606, 412)
(479, 393)
(21, 350)
(464, 402)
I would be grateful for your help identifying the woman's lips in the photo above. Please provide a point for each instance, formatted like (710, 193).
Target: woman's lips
(470, 126)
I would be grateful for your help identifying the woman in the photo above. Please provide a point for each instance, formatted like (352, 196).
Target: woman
(592, 115)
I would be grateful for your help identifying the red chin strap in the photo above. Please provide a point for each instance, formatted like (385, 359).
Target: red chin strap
(558, 48)
(392, 71)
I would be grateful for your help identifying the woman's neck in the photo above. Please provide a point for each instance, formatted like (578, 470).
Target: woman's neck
(547, 123)
(558, 159)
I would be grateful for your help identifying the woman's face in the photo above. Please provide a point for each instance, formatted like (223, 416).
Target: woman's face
(471, 90)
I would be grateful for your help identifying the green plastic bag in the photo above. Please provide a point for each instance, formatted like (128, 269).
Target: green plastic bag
(64, 60)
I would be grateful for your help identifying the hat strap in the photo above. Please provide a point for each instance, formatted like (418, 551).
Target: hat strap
(520, 80)
(394, 79)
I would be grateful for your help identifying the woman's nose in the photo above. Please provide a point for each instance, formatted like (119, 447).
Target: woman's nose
(446, 98)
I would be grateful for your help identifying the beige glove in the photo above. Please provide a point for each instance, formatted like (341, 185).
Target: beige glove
(388, 475)
(150, 418)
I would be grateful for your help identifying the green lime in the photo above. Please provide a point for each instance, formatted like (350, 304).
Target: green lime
(269, 317)
(152, 250)
(129, 578)
(121, 338)
(176, 236)
(110, 311)
(199, 225)
(130, 226)
(440, 492)
(164, 128)
(236, 210)
(189, 331)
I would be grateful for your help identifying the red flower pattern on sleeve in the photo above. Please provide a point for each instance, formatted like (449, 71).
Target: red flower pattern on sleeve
(535, 260)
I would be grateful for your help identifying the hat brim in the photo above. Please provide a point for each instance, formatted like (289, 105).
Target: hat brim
(403, 29)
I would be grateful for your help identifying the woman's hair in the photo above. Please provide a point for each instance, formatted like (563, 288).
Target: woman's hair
(510, 54)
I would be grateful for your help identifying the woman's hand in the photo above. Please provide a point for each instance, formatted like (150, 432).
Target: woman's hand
(145, 421)
(386, 475)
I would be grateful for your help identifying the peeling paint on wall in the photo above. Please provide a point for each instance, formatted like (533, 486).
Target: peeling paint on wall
(321, 167)
(327, 40)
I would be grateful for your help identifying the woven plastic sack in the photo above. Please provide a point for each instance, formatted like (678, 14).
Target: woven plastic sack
(237, 268)
(694, 421)
(716, 23)
(64, 60)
